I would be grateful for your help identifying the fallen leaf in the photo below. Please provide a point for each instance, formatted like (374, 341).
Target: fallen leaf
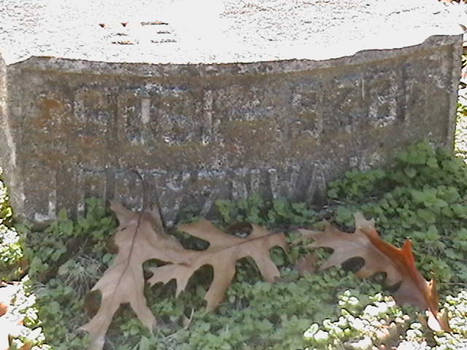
(380, 256)
(26, 346)
(3, 309)
(222, 254)
(139, 238)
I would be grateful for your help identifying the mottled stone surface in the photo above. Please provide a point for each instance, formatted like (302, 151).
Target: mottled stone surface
(200, 132)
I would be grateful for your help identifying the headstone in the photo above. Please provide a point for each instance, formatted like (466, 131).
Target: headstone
(215, 101)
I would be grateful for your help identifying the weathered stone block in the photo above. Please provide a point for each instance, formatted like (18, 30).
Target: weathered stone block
(200, 132)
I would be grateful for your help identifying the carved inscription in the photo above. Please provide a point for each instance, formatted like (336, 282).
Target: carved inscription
(382, 96)
(173, 119)
(308, 108)
(306, 100)
(200, 189)
(93, 109)
(210, 137)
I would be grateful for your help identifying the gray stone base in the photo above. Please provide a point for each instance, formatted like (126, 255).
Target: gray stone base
(72, 129)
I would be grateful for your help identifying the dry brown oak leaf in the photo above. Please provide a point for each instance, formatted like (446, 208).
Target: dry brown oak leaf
(140, 237)
(222, 254)
(380, 256)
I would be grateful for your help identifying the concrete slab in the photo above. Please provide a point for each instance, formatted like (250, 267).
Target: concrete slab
(217, 31)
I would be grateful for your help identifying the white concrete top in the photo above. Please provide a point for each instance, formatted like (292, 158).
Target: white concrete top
(217, 31)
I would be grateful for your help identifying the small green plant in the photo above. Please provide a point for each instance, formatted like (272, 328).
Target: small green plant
(65, 243)
(11, 245)
(65, 261)
(272, 213)
(376, 321)
(364, 322)
(11, 254)
(461, 127)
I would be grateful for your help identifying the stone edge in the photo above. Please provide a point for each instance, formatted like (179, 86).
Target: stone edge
(155, 70)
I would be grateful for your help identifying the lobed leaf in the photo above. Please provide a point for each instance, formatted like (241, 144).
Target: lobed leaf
(222, 254)
(140, 237)
(381, 256)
